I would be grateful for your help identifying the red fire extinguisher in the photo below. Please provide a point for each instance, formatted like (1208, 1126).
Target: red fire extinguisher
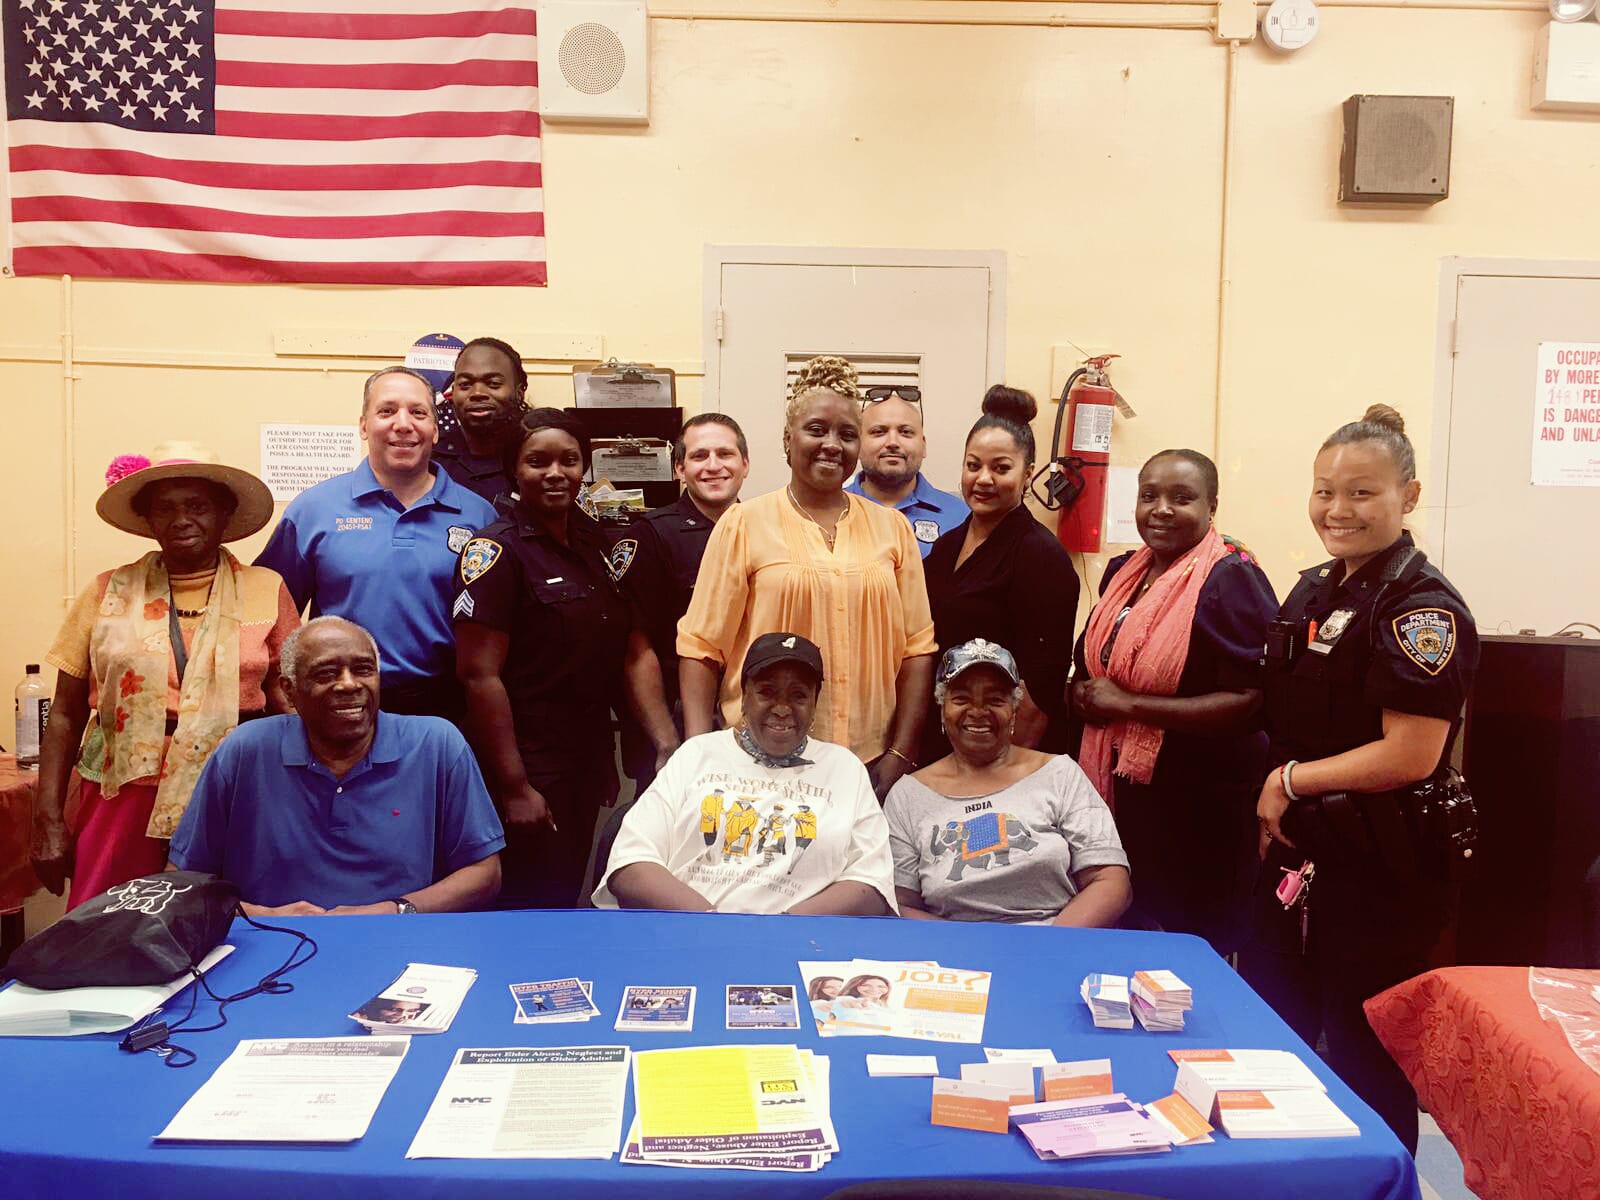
(1076, 477)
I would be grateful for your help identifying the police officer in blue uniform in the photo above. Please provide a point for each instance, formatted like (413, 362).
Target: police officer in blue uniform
(546, 645)
(487, 400)
(1367, 669)
(657, 558)
(378, 545)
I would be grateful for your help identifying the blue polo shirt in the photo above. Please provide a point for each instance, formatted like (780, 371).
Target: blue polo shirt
(930, 511)
(350, 549)
(267, 815)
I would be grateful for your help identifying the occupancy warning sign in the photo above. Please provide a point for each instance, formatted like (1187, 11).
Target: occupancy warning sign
(1566, 415)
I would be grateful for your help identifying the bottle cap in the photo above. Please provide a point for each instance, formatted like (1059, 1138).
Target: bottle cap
(33, 669)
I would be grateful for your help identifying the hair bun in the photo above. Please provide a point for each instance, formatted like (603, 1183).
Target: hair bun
(1010, 404)
(1384, 417)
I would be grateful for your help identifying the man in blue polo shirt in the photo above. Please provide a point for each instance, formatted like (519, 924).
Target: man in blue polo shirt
(337, 808)
(379, 544)
(893, 446)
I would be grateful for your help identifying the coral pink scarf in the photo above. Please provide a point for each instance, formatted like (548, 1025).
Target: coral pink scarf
(1148, 658)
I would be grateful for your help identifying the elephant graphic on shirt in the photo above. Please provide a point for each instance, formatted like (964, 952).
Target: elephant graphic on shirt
(982, 841)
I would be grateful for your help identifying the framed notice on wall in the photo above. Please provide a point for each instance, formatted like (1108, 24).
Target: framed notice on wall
(1566, 415)
(295, 457)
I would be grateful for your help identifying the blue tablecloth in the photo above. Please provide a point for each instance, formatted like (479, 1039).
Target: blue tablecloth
(77, 1115)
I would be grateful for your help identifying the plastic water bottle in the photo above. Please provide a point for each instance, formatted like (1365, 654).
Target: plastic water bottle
(33, 711)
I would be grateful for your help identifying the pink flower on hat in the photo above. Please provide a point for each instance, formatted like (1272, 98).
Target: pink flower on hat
(124, 465)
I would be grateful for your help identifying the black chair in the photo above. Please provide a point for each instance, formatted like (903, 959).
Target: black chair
(974, 1189)
(607, 839)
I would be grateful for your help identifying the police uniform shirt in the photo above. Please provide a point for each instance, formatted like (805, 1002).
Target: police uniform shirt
(1017, 589)
(484, 474)
(931, 512)
(349, 548)
(656, 561)
(1410, 646)
(568, 626)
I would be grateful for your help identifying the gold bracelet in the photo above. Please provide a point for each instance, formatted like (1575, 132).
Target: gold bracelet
(903, 758)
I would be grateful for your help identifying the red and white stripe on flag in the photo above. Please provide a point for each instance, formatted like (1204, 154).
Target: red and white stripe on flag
(355, 141)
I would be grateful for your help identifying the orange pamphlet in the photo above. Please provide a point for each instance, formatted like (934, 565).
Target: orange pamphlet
(1180, 1119)
(1074, 1080)
(963, 1105)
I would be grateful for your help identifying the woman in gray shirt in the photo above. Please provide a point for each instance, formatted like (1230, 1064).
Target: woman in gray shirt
(997, 832)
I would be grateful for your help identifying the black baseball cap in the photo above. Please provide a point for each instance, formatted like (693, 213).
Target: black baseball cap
(772, 648)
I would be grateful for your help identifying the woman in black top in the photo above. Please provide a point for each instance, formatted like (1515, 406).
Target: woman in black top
(1186, 823)
(1368, 668)
(1002, 576)
(544, 643)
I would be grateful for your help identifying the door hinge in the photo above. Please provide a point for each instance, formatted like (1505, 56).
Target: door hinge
(721, 325)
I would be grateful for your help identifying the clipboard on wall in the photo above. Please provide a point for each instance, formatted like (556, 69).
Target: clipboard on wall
(614, 384)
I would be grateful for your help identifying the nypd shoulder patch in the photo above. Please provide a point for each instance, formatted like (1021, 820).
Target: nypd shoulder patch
(1427, 636)
(621, 557)
(477, 557)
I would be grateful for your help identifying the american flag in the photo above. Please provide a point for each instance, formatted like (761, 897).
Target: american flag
(281, 141)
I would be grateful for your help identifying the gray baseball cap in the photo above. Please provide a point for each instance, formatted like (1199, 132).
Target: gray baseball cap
(977, 653)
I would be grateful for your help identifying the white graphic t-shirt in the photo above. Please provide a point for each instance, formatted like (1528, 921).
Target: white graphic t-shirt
(756, 839)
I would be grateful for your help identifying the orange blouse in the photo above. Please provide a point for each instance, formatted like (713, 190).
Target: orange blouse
(767, 569)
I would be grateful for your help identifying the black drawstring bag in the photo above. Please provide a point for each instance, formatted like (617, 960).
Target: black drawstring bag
(148, 930)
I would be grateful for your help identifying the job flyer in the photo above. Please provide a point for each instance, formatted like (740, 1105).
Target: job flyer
(527, 1102)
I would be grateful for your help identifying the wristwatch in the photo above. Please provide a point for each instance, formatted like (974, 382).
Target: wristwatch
(403, 906)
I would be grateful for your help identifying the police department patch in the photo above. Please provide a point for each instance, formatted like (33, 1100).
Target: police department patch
(926, 531)
(621, 557)
(480, 554)
(456, 537)
(1427, 636)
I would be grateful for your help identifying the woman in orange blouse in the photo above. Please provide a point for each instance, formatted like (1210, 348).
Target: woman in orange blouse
(844, 572)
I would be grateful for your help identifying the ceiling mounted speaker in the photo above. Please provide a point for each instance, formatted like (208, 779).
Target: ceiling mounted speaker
(594, 61)
(1396, 150)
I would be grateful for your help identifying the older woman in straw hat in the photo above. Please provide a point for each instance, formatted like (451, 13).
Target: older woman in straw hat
(171, 651)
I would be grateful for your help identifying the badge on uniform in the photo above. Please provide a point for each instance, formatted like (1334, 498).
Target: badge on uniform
(478, 556)
(1427, 636)
(621, 557)
(1331, 630)
(456, 537)
(925, 531)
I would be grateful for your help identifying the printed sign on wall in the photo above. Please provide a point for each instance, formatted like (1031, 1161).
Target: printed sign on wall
(1566, 415)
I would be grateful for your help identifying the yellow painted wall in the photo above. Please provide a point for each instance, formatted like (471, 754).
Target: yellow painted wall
(1092, 156)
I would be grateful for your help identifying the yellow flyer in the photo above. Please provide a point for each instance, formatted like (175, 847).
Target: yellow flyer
(718, 1100)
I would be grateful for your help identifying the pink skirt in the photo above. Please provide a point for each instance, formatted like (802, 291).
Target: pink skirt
(112, 847)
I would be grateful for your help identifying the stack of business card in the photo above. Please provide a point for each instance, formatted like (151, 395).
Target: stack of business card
(552, 1001)
(1160, 999)
(425, 999)
(1107, 998)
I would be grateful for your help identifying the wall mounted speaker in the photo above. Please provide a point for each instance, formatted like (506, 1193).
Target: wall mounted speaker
(594, 61)
(1396, 150)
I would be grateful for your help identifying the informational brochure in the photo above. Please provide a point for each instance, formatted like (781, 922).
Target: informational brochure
(1287, 1114)
(656, 1009)
(527, 1102)
(553, 1000)
(69, 1012)
(425, 999)
(1204, 1073)
(1076, 1080)
(1015, 1078)
(1089, 1128)
(1177, 1116)
(923, 1001)
(291, 1090)
(719, 1100)
(762, 1006)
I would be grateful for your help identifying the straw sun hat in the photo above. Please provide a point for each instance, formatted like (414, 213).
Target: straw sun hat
(129, 473)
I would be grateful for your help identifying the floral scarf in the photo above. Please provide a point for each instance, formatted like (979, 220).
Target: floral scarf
(131, 652)
(747, 743)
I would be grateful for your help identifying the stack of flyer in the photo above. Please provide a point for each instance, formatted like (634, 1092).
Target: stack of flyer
(1259, 1093)
(425, 999)
(1108, 1001)
(1160, 999)
(553, 1001)
(1089, 1127)
(921, 1000)
(754, 1108)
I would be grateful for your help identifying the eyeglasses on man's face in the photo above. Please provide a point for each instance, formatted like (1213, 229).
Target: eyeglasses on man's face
(911, 395)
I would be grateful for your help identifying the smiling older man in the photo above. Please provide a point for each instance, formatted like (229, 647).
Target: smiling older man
(338, 808)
